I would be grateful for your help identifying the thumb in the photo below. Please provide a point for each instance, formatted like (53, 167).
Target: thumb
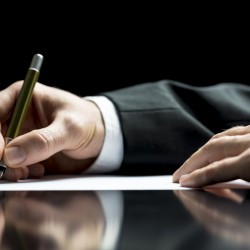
(35, 146)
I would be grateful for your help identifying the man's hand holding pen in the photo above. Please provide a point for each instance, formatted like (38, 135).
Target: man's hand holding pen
(45, 144)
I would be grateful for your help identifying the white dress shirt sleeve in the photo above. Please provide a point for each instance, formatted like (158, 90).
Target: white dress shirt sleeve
(111, 155)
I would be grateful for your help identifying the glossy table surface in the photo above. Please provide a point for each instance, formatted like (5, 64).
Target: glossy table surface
(164, 219)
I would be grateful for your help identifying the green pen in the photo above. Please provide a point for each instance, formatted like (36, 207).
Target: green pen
(22, 103)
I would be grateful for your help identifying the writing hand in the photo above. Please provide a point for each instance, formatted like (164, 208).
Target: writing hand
(61, 134)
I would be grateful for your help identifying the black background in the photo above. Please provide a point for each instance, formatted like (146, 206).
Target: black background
(88, 53)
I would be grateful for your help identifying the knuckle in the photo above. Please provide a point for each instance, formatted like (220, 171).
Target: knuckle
(71, 123)
(81, 128)
(209, 146)
(223, 145)
(207, 152)
(210, 172)
(44, 139)
(218, 135)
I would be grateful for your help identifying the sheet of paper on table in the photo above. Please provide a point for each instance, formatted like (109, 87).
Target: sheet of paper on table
(106, 183)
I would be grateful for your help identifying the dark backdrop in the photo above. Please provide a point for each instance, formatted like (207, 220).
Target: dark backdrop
(88, 57)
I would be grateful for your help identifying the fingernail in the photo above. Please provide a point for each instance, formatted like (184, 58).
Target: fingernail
(174, 178)
(185, 180)
(14, 155)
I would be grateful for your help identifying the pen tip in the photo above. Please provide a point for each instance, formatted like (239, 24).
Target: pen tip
(36, 62)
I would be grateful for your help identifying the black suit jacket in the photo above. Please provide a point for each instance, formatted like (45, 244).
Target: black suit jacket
(164, 122)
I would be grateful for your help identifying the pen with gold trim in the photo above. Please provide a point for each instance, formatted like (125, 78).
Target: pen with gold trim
(22, 103)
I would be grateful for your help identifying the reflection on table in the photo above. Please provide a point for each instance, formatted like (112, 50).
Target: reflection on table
(60, 220)
(124, 220)
(224, 213)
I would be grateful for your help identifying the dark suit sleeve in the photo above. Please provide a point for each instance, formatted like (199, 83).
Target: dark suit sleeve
(164, 122)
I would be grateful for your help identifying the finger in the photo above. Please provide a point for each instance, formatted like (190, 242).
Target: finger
(8, 98)
(238, 130)
(36, 171)
(220, 171)
(214, 150)
(226, 193)
(35, 146)
(16, 174)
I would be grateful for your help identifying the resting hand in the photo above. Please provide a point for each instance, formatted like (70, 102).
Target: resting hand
(226, 156)
(61, 134)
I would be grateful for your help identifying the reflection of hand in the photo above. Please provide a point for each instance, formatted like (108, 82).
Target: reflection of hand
(222, 217)
(2, 223)
(225, 157)
(62, 133)
(67, 220)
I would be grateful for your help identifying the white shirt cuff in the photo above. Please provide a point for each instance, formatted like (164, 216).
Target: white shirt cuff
(111, 155)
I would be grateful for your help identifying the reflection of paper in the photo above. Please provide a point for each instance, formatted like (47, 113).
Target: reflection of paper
(105, 183)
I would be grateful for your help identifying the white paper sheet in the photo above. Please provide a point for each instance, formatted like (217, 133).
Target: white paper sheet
(105, 183)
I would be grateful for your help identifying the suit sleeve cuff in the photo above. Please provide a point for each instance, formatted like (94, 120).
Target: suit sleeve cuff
(111, 155)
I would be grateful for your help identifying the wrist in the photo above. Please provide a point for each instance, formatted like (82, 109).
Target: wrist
(113, 140)
(99, 130)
